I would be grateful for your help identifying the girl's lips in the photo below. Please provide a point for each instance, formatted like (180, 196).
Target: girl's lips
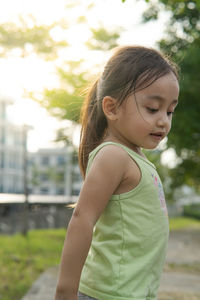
(157, 136)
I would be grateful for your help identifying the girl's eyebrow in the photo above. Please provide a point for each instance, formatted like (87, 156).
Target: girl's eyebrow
(160, 98)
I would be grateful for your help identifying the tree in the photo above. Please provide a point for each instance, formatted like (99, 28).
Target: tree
(27, 39)
(65, 102)
(103, 39)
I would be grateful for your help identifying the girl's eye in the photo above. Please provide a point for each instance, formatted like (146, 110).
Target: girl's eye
(152, 110)
(170, 113)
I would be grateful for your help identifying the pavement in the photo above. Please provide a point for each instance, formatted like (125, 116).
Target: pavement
(183, 250)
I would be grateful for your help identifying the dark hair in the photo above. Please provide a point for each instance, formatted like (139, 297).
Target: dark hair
(130, 68)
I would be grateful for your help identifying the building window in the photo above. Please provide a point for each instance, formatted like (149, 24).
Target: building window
(44, 191)
(75, 192)
(60, 191)
(2, 135)
(44, 177)
(60, 160)
(2, 160)
(44, 160)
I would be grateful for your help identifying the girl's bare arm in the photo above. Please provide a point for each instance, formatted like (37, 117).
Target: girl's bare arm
(105, 175)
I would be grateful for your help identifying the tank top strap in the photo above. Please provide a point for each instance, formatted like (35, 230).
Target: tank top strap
(135, 156)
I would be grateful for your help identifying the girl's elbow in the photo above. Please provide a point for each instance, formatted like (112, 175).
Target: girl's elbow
(60, 292)
(83, 219)
(63, 294)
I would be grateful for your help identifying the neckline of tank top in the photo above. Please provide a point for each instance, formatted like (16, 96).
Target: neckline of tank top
(134, 153)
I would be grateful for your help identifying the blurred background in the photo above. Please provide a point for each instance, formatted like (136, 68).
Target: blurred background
(50, 52)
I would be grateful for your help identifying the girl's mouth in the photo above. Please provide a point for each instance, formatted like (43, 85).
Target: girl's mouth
(157, 135)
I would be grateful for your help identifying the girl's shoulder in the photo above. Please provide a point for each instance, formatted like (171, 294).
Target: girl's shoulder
(120, 151)
(115, 164)
(110, 152)
(112, 156)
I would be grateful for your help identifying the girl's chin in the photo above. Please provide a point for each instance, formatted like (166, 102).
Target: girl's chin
(151, 147)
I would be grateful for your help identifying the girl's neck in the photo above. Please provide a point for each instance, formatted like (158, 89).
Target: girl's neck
(131, 146)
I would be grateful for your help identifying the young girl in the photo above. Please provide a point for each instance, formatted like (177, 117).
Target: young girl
(117, 238)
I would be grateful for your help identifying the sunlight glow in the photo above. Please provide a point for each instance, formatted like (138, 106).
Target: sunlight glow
(21, 75)
(170, 158)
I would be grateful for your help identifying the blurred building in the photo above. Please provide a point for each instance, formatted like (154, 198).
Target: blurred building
(54, 171)
(47, 171)
(12, 145)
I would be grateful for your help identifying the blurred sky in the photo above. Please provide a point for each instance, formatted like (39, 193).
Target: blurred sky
(33, 74)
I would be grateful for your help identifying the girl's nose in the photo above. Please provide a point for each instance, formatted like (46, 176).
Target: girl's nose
(164, 121)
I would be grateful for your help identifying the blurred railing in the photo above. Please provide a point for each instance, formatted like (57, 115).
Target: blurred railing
(45, 199)
(40, 211)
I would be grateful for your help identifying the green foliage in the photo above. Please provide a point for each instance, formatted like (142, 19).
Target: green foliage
(151, 13)
(69, 105)
(36, 39)
(55, 176)
(23, 259)
(35, 180)
(66, 101)
(28, 37)
(185, 12)
(64, 135)
(185, 136)
(192, 211)
(103, 39)
(186, 121)
(145, 0)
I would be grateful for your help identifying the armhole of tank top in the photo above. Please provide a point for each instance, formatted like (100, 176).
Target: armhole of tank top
(138, 186)
(125, 194)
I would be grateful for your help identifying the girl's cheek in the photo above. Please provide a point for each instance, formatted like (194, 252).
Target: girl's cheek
(149, 117)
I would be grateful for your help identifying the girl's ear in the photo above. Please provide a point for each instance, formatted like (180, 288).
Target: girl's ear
(110, 108)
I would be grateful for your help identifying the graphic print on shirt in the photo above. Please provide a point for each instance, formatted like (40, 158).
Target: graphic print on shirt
(161, 195)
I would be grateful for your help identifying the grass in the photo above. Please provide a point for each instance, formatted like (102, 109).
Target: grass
(177, 296)
(22, 259)
(183, 223)
(184, 268)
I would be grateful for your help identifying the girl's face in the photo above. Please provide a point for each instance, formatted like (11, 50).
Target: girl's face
(144, 119)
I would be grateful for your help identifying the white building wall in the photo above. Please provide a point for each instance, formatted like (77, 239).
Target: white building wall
(59, 161)
(12, 142)
(49, 164)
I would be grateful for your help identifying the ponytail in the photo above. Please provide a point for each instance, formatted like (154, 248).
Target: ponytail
(93, 123)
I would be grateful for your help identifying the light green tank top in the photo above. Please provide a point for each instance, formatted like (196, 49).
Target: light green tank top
(129, 242)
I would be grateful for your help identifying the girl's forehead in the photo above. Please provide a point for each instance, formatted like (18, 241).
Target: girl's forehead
(160, 100)
(164, 86)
